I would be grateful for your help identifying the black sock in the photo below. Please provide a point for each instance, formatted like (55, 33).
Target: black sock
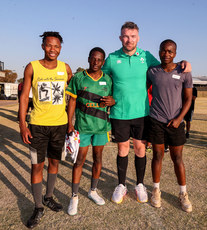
(75, 188)
(122, 163)
(94, 183)
(51, 178)
(37, 194)
(140, 166)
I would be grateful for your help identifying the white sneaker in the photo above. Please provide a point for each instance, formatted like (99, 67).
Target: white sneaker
(141, 193)
(93, 195)
(119, 193)
(185, 203)
(73, 206)
(156, 198)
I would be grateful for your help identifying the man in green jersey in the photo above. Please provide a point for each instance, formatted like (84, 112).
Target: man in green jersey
(127, 67)
(90, 93)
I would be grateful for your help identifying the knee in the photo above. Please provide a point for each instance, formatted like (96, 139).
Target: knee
(79, 162)
(37, 168)
(98, 159)
(123, 149)
(53, 163)
(177, 160)
(139, 149)
(140, 152)
(158, 156)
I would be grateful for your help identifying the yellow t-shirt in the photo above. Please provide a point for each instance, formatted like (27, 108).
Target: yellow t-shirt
(48, 88)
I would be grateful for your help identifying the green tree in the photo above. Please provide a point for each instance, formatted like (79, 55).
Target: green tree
(10, 76)
(20, 80)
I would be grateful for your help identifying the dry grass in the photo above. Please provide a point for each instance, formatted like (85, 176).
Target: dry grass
(16, 202)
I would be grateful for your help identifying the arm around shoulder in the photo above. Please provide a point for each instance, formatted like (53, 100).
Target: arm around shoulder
(186, 66)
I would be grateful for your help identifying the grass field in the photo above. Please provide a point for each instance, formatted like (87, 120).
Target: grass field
(16, 202)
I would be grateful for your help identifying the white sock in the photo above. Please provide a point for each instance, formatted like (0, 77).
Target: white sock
(157, 185)
(182, 188)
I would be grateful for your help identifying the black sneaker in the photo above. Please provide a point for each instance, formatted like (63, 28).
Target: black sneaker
(35, 218)
(187, 135)
(52, 204)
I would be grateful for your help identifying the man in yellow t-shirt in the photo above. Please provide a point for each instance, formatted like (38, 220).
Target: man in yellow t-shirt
(47, 127)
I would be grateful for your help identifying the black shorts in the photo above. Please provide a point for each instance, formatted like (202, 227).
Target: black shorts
(47, 141)
(189, 115)
(159, 133)
(122, 130)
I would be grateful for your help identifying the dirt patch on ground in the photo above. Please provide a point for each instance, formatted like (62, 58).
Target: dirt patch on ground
(16, 202)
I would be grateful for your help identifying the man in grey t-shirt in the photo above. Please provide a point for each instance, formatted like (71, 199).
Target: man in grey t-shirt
(167, 111)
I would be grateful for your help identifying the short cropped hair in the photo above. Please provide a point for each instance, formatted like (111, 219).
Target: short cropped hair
(97, 49)
(51, 34)
(130, 25)
(168, 41)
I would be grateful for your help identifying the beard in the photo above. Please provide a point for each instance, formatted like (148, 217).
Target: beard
(129, 48)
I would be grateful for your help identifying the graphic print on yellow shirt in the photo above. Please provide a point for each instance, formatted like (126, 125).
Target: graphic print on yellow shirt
(51, 91)
(48, 86)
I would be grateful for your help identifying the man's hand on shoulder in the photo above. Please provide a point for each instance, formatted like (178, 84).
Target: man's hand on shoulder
(186, 66)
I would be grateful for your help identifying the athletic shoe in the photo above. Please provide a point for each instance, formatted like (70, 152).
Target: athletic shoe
(141, 193)
(52, 204)
(119, 193)
(73, 206)
(185, 203)
(93, 195)
(35, 218)
(156, 198)
(187, 135)
(166, 149)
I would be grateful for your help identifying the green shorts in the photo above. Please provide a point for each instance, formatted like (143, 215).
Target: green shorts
(94, 139)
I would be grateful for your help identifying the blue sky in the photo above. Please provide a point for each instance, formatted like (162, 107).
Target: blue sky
(86, 24)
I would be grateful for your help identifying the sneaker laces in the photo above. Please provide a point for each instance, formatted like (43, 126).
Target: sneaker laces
(184, 198)
(72, 201)
(95, 195)
(140, 188)
(120, 189)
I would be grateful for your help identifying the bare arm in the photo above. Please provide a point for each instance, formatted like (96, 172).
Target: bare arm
(24, 100)
(69, 72)
(186, 66)
(71, 110)
(186, 105)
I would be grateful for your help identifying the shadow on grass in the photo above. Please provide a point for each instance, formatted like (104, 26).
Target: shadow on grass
(107, 183)
(200, 117)
(197, 140)
(8, 110)
(16, 155)
(8, 116)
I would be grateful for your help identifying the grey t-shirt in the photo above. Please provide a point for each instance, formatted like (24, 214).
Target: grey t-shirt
(167, 88)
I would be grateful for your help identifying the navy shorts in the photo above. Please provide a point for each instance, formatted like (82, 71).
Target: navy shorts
(47, 141)
(159, 133)
(122, 130)
(189, 115)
